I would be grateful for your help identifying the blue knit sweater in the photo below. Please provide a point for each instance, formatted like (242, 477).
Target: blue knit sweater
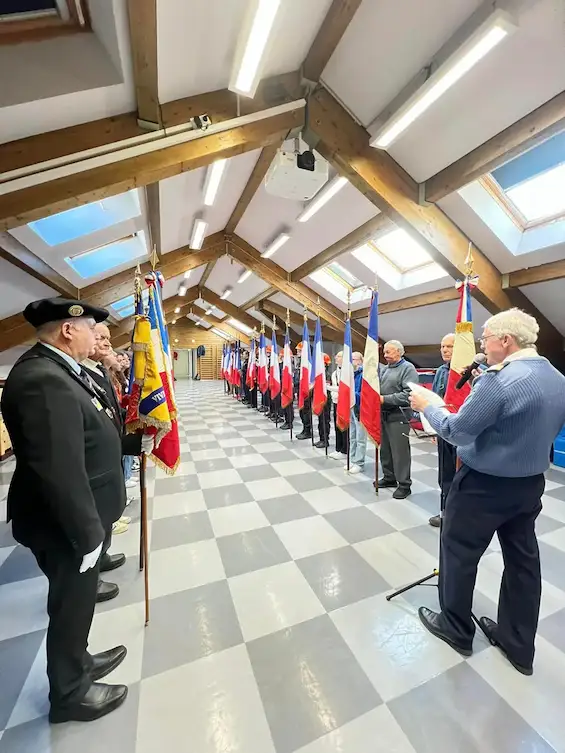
(508, 423)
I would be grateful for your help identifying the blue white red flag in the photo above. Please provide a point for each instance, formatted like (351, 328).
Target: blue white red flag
(305, 367)
(346, 390)
(370, 412)
(250, 377)
(463, 348)
(320, 395)
(287, 388)
(237, 366)
(263, 376)
(274, 369)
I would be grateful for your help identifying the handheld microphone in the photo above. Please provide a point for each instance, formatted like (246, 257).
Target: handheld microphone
(480, 358)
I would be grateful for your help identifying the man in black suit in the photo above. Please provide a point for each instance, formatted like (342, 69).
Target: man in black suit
(67, 490)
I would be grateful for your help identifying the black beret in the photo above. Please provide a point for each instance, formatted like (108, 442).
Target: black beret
(48, 310)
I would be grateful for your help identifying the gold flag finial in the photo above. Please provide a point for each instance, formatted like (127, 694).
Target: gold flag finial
(305, 314)
(274, 322)
(154, 258)
(348, 304)
(318, 307)
(288, 317)
(469, 262)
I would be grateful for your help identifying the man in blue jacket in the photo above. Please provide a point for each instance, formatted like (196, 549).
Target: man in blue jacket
(357, 433)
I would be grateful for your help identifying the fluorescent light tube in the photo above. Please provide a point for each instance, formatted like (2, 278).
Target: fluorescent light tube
(198, 232)
(213, 179)
(496, 28)
(246, 78)
(275, 245)
(240, 325)
(208, 311)
(174, 321)
(225, 294)
(187, 275)
(327, 193)
(244, 275)
(220, 333)
(181, 290)
(177, 310)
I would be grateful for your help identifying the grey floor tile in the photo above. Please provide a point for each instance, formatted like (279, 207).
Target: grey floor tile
(130, 582)
(247, 449)
(223, 496)
(365, 493)
(309, 681)
(20, 565)
(16, 659)
(252, 550)
(281, 456)
(284, 509)
(458, 712)
(430, 460)
(552, 628)
(217, 464)
(115, 732)
(176, 484)
(552, 565)
(426, 537)
(428, 477)
(358, 524)
(307, 482)
(545, 524)
(558, 493)
(210, 445)
(189, 625)
(6, 538)
(341, 577)
(428, 501)
(258, 473)
(180, 529)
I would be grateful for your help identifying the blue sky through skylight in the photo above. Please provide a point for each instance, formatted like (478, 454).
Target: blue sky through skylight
(74, 223)
(103, 259)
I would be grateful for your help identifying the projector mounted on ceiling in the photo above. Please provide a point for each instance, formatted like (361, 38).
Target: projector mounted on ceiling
(295, 175)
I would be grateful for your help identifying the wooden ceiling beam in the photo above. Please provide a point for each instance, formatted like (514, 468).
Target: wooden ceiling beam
(345, 144)
(531, 130)
(554, 270)
(227, 328)
(413, 302)
(14, 252)
(256, 178)
(268, 308)
(108, 133)
(153, 199)
(142, 16)
(258, 298)
(207, 272)
(370, 230)
(333, 27)
(234, 312)
(37, 201)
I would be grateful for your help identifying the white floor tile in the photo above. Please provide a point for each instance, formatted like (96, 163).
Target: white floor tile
(214, 479)
(237, 518)
(309, 536)
(270, 488)
(182, 503)
(396, 558)
(187, 566)
(330, 500)
(248, 461)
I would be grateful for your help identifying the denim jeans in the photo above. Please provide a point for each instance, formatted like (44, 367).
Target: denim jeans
(357, 441)
(127, 463)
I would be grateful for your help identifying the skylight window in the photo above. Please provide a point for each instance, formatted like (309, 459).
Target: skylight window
(240, 326)
(340, 282)
(345, 275)
(402, 251)
(542, 197)
(89, 218)
(100, 260)
(126, 306)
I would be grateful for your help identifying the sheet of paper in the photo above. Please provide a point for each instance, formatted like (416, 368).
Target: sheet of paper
(433, 399)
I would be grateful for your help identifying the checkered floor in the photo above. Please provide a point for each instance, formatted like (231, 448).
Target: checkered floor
(270, 632)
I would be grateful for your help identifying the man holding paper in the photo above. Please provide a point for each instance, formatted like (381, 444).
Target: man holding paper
(503, 433)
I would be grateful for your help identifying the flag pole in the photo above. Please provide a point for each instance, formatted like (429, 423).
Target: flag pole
(349, 428)
(375, 290)
(291, 406)
(280, 378)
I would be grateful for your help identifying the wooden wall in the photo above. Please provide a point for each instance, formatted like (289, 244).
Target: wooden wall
(189, 336)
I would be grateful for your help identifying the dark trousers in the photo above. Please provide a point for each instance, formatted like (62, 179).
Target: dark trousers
(70, 606)
(275, 409)
(306, 415)
(395, 456)
(479, 506)
(446, 466)
(324, 423)
(340, 436)
(253, 397)
(288, 413)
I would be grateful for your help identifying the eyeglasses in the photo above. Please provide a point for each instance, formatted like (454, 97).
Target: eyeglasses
(482, 340)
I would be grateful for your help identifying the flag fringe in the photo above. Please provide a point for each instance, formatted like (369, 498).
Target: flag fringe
(463, 327)
(170, 471)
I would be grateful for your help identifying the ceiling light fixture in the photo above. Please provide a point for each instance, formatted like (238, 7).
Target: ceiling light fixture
(174, 321)
(275, 245)
(177, 310)
(181, 290)
(209, 311)
(198, 232)
(213, 180)
(226, 294)
(322, 198)
(485, 38)
(252, 46)
(187, 275)
(220, 333)
(246, 274)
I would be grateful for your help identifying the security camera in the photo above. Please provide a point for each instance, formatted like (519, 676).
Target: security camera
(306, 161)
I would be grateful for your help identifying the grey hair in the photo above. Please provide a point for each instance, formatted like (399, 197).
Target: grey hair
(515, 323)
(52, 329)
(396, 344)
(449, 334)
(357, 354)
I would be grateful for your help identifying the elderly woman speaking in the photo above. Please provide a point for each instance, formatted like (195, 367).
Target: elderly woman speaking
(503, 434)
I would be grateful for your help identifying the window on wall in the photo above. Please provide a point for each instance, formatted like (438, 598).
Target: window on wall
(531, 187)
(28, 20)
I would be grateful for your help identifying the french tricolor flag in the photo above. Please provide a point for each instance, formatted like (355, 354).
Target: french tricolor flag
(346, 392)
(274, 369)
(287, 390)
(237, 367)
(305, 367)
(320, 387)
(370, 413)
(262, 376)
(250, 380)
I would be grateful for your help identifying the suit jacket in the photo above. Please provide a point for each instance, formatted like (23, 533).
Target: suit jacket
(131, 443)
(68, 486)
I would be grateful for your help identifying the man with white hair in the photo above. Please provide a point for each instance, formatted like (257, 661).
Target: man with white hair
(395, 426)
(503, 434)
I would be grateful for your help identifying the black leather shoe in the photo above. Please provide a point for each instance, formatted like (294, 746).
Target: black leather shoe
(385, 483)
(111, 562)
(432, 622)
(106, 662)
(400, 493)
(100, 699)
(435, 521)
(304, 435)
(320, 444)
(106, 591)
(489, 628)
(285, 426)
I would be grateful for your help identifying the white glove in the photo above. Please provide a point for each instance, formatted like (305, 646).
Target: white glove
(90, 560)
(147, 443)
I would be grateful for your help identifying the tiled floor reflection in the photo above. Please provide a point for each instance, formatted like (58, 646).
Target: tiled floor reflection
(270, 631)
